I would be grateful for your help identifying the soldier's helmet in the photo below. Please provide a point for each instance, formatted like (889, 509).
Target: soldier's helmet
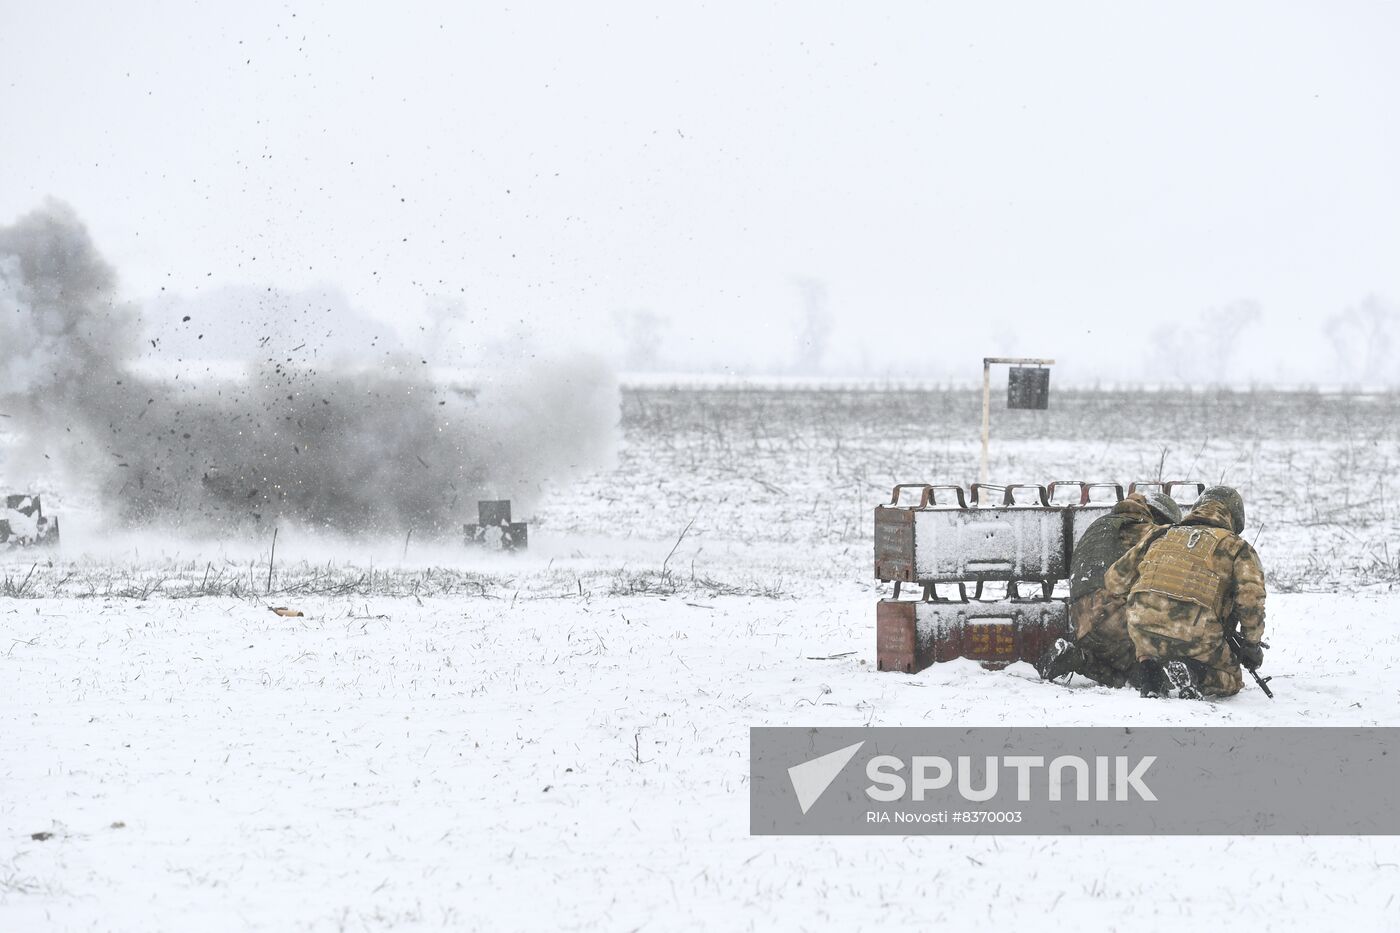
(1163, 507)
(1229, 498)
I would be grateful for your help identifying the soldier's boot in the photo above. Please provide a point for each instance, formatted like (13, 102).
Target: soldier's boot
(1100, 671)
(1184, 675)
(1061, 658)
(1150, 678)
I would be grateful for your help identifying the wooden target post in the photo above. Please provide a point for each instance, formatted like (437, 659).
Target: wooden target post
(1036, 393)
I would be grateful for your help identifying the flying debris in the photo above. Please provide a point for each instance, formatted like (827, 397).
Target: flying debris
(375, 445)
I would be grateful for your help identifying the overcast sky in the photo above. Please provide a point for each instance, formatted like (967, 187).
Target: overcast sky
(937, 181)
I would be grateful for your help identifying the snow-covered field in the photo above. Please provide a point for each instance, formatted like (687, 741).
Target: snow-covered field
(560, 741)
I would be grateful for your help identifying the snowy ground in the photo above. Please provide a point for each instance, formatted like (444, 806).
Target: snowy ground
(579, 763)
(561, 741)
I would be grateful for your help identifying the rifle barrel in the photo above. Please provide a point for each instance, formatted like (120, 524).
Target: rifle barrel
(1233, 639)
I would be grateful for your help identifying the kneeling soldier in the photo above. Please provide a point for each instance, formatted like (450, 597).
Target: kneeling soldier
(1187, 588)
(1101, 649)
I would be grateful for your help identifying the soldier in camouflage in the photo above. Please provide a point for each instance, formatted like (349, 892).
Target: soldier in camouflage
(1101, 649)
(1186, 588)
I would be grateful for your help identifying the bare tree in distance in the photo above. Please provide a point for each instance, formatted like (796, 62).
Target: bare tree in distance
(815, 328)
(1364, 339)
(1203, 351)
(641, 333)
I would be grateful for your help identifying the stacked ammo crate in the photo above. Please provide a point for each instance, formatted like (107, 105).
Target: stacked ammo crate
(1011, 545)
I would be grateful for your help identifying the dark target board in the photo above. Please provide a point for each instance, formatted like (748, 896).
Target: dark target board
(1028, 387)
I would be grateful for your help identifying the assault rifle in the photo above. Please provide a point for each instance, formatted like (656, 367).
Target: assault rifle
(1235, 642)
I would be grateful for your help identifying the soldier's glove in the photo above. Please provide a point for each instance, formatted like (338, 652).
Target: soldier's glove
(1251, 654)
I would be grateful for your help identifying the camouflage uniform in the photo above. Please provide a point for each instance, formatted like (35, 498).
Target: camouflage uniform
(1099, 619)
(1184, 587)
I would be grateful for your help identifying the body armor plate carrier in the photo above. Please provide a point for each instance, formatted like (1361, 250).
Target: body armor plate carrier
(1178, 566)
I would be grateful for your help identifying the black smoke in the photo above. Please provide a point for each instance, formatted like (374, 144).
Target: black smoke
(360, 449)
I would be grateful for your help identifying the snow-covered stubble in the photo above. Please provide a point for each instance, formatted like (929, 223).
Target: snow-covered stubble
(343, 448)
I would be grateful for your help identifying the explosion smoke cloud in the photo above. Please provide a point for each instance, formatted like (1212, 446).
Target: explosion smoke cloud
(343, 448)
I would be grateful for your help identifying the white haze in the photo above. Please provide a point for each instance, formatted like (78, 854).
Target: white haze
(658, 182)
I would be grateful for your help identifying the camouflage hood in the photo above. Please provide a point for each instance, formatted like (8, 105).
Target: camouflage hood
(1134, 508)
(1210, 513)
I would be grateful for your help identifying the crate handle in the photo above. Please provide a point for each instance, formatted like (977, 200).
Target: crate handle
(923, 496)
(1200, 487)
(1009, 497)
(957, 490)
(977, 492)
(1067, 483)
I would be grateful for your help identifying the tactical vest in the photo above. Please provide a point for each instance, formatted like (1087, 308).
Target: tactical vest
(1180, 564)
